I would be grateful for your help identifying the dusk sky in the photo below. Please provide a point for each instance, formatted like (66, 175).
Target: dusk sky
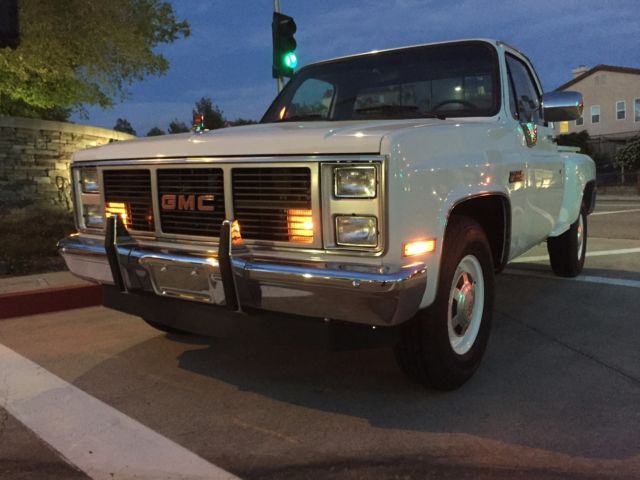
(228, 55)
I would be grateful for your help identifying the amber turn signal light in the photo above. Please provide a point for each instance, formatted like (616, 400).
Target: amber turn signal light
(418, 247)
(117, 208)
(236, 237)
(300, 225)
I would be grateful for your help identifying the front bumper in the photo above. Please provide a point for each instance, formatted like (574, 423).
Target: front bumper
(235, 279)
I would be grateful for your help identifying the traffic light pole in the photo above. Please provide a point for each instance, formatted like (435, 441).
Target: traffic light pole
(279, 80)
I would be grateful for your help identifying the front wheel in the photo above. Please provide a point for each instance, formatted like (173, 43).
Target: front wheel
(442, 346)
(567, 251)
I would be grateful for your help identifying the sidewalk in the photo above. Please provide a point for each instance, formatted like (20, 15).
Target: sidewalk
(45, 292)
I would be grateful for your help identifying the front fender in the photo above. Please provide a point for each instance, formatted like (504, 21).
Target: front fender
(578, 171)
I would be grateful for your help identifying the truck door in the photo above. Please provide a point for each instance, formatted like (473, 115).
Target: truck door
(543, 175)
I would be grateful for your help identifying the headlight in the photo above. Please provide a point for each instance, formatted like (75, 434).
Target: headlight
(355, 182)
(357, 231)
(89, 180)
(93, 216)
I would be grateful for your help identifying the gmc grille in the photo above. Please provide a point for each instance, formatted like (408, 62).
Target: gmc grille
(133, 189)
(262, 198)
(183, 183)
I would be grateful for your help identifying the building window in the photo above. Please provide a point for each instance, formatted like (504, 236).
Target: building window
(637, 109)
(580, 121)
(564, 127)
(595, 114)
(621, 110)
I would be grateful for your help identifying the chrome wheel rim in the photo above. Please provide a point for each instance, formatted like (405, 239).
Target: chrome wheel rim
(466, 305)
(580, 236)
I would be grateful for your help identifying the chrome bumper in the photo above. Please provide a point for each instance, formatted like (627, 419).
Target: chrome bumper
(235, 279)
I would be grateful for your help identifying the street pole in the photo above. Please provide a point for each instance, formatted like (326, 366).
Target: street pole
(279, 80)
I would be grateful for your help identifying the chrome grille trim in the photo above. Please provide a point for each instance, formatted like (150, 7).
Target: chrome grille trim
(262, 196)
(196, 181)
(132, 187)
(208, 244)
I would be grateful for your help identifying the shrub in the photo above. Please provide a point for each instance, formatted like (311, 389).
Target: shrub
(28, 239)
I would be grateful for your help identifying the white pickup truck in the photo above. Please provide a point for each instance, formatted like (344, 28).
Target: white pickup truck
(383, 189)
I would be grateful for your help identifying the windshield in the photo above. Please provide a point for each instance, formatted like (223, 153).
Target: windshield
(449, 80)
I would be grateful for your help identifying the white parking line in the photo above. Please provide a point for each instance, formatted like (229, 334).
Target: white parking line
(597, 253)
(620, 282)
(616, 211)
(98, 439)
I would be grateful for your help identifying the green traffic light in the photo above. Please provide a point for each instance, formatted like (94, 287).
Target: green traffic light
(291, 60)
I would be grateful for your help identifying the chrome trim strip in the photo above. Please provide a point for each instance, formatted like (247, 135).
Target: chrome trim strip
(228, 160)
(338, 278)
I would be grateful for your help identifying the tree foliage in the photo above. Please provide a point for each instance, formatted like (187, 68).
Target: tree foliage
(577, 139)
(241, 121)
(628, 157)
(123, 125)
(155, 132)
(213, 116)
(75, 52)
(177, 126)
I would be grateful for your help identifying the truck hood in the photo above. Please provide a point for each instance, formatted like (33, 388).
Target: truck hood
(290, 138)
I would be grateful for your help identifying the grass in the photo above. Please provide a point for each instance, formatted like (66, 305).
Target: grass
(28, 239)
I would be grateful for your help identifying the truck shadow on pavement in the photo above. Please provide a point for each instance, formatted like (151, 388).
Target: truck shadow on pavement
(556, 376)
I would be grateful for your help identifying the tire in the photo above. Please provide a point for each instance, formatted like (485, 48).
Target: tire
(442, 346)
(165, 328)
(567, 251)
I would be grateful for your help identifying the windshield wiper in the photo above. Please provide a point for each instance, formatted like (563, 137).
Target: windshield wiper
(400, 110)
(305, 117)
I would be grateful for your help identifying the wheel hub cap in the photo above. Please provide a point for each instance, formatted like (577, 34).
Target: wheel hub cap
(466, 304)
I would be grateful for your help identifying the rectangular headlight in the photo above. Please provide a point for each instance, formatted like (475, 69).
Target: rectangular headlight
(355, 182)
(93, 216)
(89, 180)
(356, 231)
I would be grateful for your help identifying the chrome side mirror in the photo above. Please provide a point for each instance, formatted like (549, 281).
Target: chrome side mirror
(562, 106)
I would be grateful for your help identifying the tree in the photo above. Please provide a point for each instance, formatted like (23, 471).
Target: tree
(241, 121)
(627, 159)
(213, 116)
(76, 52)
(178, 127)
(577, 139)
(155, 132)
(123, 125)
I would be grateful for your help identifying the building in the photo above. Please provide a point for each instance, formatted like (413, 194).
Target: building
(611, 102)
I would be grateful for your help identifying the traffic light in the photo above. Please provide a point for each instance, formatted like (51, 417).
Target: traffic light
(284, 45)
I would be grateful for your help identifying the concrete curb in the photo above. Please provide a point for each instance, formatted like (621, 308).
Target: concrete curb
(20, 304)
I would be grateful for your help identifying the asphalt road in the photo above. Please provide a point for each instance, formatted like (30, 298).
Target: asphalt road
(557, 396)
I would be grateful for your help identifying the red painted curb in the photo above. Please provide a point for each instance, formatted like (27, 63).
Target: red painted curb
(20, 304)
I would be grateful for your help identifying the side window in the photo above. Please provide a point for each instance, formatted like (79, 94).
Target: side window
(313, 99)
(525, 104)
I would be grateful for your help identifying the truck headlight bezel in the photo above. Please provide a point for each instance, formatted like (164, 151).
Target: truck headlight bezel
(93, 216)
(88, 179)
(356, 231)
(355, 182)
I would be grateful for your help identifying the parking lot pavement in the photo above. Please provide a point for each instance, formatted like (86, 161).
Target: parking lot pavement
(557, 396)
(616, 217)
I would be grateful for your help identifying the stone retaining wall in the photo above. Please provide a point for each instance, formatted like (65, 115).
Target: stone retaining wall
(35, 156)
